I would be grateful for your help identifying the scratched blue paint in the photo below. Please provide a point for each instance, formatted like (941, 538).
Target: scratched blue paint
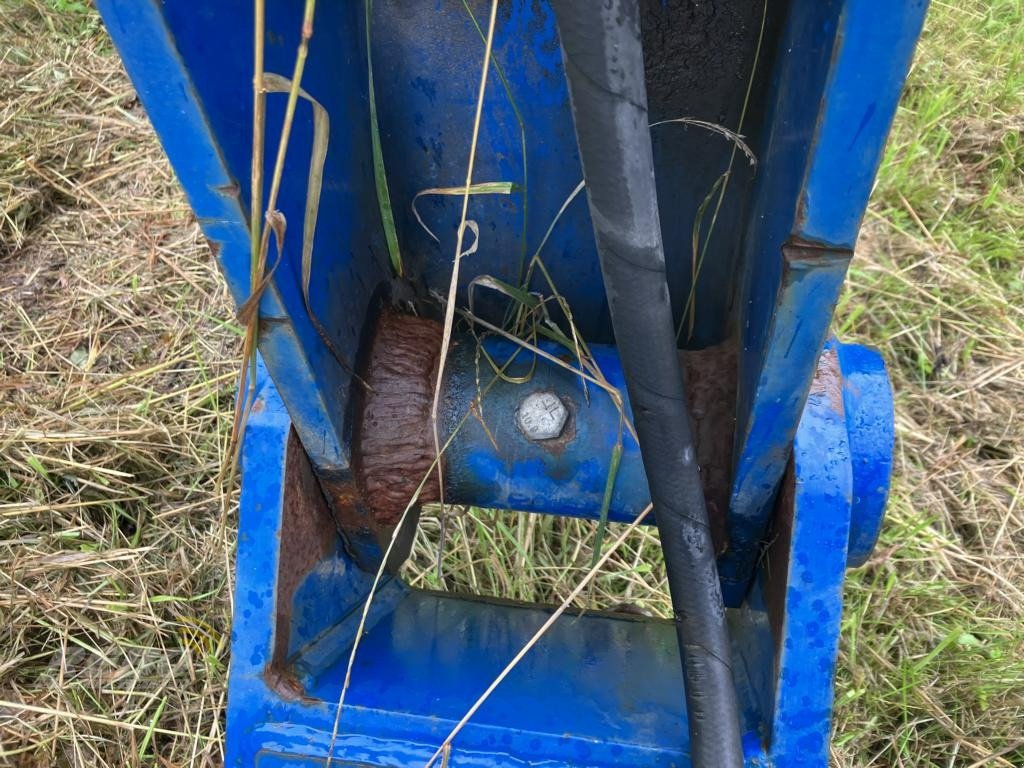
(754, 655)
(425, 657)
(802, 55)
(775, 368)
(262, 468)
(807, 298)
(335, 582)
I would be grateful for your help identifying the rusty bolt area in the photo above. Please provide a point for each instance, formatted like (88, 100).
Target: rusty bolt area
(542, 416)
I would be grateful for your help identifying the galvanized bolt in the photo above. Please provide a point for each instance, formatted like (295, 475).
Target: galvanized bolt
(542, 416)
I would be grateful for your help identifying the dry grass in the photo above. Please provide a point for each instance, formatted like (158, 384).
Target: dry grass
(116, 365)
(115, 378)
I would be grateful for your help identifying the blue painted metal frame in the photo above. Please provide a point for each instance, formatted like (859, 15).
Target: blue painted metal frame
(789, 627)
(598, 691)
(867, 400)
(840, 69)
(191, 65)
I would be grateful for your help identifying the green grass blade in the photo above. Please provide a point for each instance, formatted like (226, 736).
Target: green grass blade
(697, 256)
(152, 727)
(519, 295)
(387, 215)
(606, 501)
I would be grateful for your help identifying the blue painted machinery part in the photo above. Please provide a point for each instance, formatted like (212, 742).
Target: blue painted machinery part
(492, 462)
(793, 429)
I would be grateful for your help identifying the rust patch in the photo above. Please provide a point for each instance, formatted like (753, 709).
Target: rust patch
(358, 525)
(284, 683)
(828, 380)
(711, 389)
(351, 516)
(308, 535)
(350, 513)
(798, 253)
(231, 190)
(394, 443)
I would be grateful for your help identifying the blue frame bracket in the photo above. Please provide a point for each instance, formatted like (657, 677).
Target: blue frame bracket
(839, 73)
(799, 487)
(426, 656)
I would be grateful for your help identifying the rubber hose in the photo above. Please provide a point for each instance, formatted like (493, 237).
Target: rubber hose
(604, 67)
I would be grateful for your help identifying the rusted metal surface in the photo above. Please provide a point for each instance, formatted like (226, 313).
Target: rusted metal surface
(346, 503)
(365, 537)
(711, 389)
(828, 379)
(311, 537)
(776, 555)
(394, 442)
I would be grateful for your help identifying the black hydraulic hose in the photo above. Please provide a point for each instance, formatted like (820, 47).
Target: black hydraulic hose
(604, 66)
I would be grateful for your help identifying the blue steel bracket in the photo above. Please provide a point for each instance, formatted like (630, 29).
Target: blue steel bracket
(602, 690)
(191, 64)
(868, 405)
(840, 68)
(489, 463)
(831, 73)
(809, 287)
(788, 629)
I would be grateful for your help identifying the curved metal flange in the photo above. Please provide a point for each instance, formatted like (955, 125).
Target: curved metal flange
(867, 400)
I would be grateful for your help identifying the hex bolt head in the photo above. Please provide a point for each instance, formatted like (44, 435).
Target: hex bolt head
(541, 416)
